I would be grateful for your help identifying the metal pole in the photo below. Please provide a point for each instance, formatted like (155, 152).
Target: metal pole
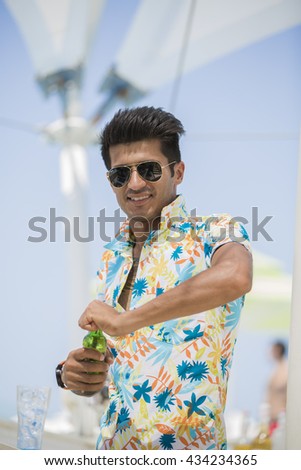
(73, 155)
(293, 412)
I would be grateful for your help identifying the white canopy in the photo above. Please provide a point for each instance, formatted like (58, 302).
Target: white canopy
(150, 53)
(58, 33)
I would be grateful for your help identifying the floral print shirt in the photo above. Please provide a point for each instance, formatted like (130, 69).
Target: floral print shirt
(168, 382)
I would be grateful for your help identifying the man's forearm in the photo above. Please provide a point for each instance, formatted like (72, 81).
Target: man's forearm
(228, 278)
(209, 289)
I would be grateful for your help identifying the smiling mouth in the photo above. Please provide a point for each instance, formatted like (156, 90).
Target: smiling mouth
(139, 198)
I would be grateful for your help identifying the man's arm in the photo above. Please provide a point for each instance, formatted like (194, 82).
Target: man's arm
(229, 277)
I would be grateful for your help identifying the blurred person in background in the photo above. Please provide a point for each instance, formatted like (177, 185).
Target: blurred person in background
(277, 383)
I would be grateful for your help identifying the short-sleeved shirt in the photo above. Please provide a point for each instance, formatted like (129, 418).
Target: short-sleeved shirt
(168, 382)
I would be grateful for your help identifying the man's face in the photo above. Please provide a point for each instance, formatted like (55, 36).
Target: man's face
(140, 198)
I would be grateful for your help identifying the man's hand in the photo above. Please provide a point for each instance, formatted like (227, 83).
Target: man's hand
(81, 375)
(99, 315)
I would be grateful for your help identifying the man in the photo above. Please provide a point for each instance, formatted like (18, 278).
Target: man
(170, 295)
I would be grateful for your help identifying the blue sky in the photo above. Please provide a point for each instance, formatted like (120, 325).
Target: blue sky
(254, 90)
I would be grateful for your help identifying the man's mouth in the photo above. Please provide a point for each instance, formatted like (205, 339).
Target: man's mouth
(139, 198)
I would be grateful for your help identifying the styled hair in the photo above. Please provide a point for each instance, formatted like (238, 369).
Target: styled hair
(142, 123)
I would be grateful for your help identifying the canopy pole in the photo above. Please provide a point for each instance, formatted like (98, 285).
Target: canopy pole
(293, 411)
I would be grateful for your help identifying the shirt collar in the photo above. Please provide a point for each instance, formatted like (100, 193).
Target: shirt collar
(175, 210)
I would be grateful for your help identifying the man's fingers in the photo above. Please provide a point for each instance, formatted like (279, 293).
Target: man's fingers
(85, 375)
(86, 324)
(88, 353)
(88, 366)
(86, 320)
(93, 367)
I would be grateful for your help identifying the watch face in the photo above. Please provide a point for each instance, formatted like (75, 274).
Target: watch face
(58, 375)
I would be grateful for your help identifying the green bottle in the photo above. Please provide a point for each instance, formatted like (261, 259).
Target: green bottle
(95, 340)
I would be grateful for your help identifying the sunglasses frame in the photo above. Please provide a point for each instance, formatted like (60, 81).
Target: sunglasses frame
(135, 165)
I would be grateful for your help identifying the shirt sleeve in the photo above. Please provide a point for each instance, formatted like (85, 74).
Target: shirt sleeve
(221, 229)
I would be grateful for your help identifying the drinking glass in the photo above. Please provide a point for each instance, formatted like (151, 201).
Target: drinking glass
(32, 405)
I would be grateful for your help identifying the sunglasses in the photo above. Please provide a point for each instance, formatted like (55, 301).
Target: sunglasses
(149, 171)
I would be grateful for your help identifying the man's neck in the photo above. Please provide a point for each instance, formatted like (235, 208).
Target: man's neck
(139, 232)
(140, 228)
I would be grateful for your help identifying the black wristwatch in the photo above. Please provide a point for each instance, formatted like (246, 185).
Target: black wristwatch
(58, 375)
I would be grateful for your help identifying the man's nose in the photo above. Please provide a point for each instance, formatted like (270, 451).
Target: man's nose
(135, 181)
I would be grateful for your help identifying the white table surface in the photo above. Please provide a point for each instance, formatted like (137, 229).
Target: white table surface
(51, 441)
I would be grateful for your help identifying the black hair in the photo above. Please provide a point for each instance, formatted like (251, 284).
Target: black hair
(281, 347)
(142, 123)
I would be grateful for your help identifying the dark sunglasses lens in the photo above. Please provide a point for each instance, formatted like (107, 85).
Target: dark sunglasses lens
(150, 171)
(119, 176)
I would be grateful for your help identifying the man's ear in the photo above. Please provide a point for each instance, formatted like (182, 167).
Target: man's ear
(179, 170)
